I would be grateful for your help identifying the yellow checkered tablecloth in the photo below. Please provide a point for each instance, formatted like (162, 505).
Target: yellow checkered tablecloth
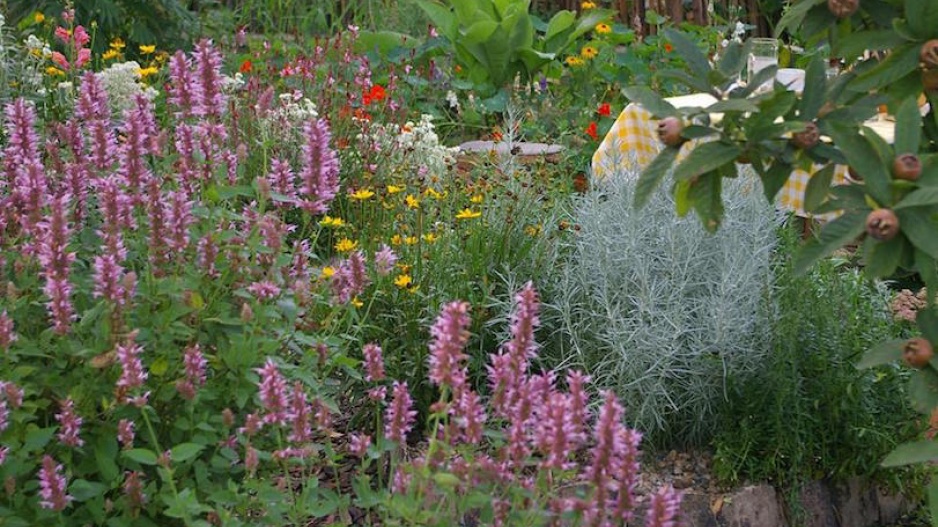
(632, 144)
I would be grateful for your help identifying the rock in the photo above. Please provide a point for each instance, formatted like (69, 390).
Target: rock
(816, 505)
(755, 506)
(891, 507)
(855, 504)
(696, 510)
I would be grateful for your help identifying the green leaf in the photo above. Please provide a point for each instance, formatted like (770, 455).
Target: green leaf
(927, 323)
(927, 267)
(37, 438)
(923, 197)
(140, 455)
(882, 258)
(909, 453)
(923, 390)
(794, 15)
(688, 50)
(707, 199)
(864, 159)
(882, 353)
(185, 451)
(775, 178)
(478, 32)
(815, 87)
(818, 188)
(733, 59)
(651, 177)
(560, 22)
(733, 105)
(919, 228)
(933, 501)
(83, 490)
(650, 100)
(902, 61)
(834, 235)
(908, 128)
(854, 44)
(922, 17)
(441, 17)
(105, 451)
(705, 158)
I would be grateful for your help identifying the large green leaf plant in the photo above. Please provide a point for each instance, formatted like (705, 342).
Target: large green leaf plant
(890, 49)
(497, 41)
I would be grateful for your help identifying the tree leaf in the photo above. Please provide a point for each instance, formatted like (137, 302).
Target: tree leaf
(922, 18)
(908, 135)
(882, 258)
(902, 61)
(815, 87)
(919, 228)
(708, 201)
(732, 105)
(864, 159)
(688, 50)
(651, 101)
(923, 390)
(854, 44)
(651, 177)
(834, 235)
(705, 158)
(915, 452)
(733, 59)
(818, 188)
(882, 353)
(927, 267)
(794, 15)
(922, 197)
(38, 438)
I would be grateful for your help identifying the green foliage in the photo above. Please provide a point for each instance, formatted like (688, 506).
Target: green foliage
(809, 413)
(660, 313)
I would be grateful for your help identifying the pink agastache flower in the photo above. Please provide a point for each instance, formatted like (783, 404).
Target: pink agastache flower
(272, 390)
(4, 415)
(508, 369)
(133, 168)
(187, 165)
(399, 416)
(469, 415)
(7, 335)
(132, 373)
(125, 433)
(53, 486)
(207, 60)
(194, 364)
(110, 282)
(184, 93)
(627, 477)
(320, 172)
(385, 259)
(282, 180)
(69, 424)
(449, 336)
(250, 460)
(158, 212)
(180, 220)
(351, 278)
(133, 489)
(664, 509)
(207, 253)
(13, 393)
(358, 444)
(56, 263)
(264, 290)
(374, 362)
(92, 103)
(77, 170)
(300, 417)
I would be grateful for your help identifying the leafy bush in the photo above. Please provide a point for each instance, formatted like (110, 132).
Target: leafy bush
(808, 412)
(654, 309)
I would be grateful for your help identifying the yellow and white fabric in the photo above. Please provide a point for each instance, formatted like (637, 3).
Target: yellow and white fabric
(632, 143)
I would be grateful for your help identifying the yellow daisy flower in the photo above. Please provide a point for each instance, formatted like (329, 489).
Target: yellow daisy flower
(587, 5)
(394, 189)
(356, 302)
(110, 54)
(410, 240)
(412, 202)
(52, 71)
(478, 198)
(430, 237)
(533, 230)
(329, 221)
(117, 44)
(39, 18)
(574, 61)
(396, 239)
(362, 194)
(328, 271)
(433, 193)
(603, 28)
(405, 268)
(146, 72)
(146, 50)
(467, 214)
(589, 52)
(345, 245)
(403, 280)
(414, 289)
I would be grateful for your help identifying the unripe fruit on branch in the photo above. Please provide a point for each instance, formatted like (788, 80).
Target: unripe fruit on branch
(929, 54)
(907, 167)
(882, 224)
(669, 131)
(917, 352)
(843, 8)
(807, 138)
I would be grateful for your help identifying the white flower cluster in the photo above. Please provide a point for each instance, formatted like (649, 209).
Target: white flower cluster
(415, 146)
(285, 120)
(232, 84)
(122, 83)
(739, 33)
(37, 47)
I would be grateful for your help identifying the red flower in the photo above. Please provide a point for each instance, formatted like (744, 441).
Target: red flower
(246, 67)
(375, 94)
(591, 130)
(604, 110)
(668, 47)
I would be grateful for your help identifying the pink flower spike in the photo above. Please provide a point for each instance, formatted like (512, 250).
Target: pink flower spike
(52, 486)
(69, 424)
(272, 390)
(7, 336)
(449, 336)
(374, 362)
(358, 444)
(125, 433)
(664, 509)
(399, 417)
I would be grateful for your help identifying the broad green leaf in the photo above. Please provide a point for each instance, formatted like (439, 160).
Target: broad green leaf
(933, 501)
(922, 17)
(732, 105)
(919, 228)
(588, 22)
(834, 235)
(927, 267)
(478, 32)
(561, 21)
(902, 61)
(690, 52)
(854, 44)
(908, 128)
(651, 177)
(863, 159)
(83, 490)
(682, 199)
(882, 258)
(818, 188)
(708, 201)
(465, 10)
(692, 82)
(882, 353)
(775, 178)
(696, 131)
(651, 101)
(815, 88)
(923, 390)
(37, 438)
(140, 455)
(926, 196)
(441, 17)
(794, 15)
(733, 60)
(105, 452)
(927, 323)
(909, 453)
(185, 451)
(705, 158)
